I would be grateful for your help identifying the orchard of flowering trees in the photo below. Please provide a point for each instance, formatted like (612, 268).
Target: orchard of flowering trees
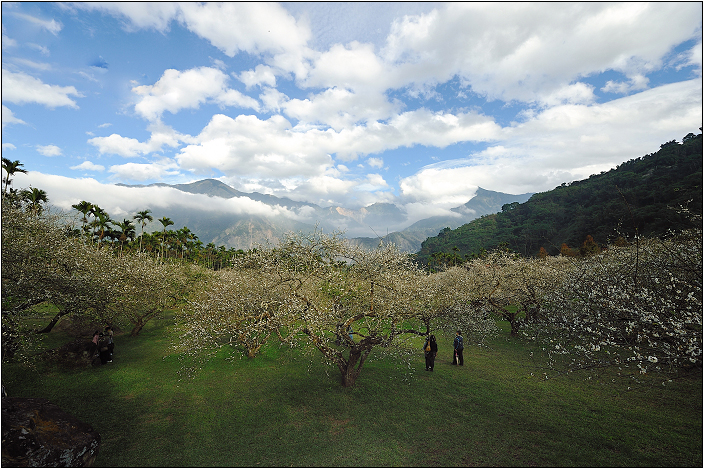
(42, 264)
(637, 305)
(320, 291)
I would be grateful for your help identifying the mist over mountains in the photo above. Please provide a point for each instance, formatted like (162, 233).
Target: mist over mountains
(281, 215)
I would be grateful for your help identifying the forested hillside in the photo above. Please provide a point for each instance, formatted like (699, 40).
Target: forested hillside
(637, 196)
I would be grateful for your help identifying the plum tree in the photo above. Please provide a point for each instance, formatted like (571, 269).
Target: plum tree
(320, 290)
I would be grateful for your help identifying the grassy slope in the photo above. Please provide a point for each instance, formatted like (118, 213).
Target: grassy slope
(282, 410)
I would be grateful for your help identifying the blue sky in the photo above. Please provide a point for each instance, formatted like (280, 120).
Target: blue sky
(341, 104)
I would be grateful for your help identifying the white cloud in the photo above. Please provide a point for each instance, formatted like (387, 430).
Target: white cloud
(563, 143)
(373, 182)
(42, 49)
(8, 146)
(694, 56)
(121, 201)
(236, 99)
(177, 90)
(637, 82)
(256, 28)
(375, 162)
(261, 75)
(32, 64)
(88, 166)
(273, 99)
(355, 66)
(49, 150)
(249, 146)
(144, 171)
(251, 27)
(138, 15)
(577, 93)
(118, 145)
(53, 26)
(219, 64)
(20, 88)
(255, 148)
(529, 51)
(340, 108)
(127, 147)
(9, 118)
(8, 42)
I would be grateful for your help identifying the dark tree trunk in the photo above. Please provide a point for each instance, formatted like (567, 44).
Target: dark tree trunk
(53, 322)
(351, 368)
(348, 370)
(514, 324)
(140, 322)
(138, 327)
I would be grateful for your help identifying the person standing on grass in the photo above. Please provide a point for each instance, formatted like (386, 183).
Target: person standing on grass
(431, 350)
(94, 347)
(111, 344)
(459, 347)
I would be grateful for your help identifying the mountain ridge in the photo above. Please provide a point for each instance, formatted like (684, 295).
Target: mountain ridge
(245, 231)
(635, 198)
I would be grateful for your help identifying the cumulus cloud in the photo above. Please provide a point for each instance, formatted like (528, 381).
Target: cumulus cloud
(9, 118)
(137, 15)
(118, 145)
(127, 147)
(20, 88)
(341, 108)
(638, 82)
(584, 140)
(88, 166)
(49, 150)
(273, 99)
(250, 27)
(248, 145)
(256, 28)
(355, 66)
(529, 51)
(252, 147)
(177, 90)
(375, 162)
(144, 171)
(261, 75)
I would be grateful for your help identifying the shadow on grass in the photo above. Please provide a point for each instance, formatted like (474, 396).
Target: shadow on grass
(281, 409)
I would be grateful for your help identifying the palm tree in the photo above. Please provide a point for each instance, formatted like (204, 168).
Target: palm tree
(127, 231)
(34, 197)
(143, 217)
(11, 167)
(183, 237)
(101, 223)
(84, 208)
(166, 221)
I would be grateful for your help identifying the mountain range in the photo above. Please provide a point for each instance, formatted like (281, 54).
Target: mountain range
(652, 196)
(243, 231)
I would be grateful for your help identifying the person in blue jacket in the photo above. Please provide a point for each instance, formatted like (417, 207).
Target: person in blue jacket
(459, 347)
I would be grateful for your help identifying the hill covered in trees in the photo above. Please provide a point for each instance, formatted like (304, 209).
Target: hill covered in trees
(636, 197)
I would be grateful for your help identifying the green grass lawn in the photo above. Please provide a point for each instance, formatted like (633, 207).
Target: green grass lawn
(281, 409)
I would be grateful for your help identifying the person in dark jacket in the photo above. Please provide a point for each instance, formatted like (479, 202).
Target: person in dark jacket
(111, 345)
(459, 347)
(431, 350)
